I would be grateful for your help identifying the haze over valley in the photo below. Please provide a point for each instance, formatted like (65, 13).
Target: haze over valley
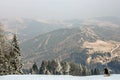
(90, 41)
(76, 35)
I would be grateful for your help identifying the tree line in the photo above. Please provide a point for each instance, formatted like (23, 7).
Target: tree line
(54, 67)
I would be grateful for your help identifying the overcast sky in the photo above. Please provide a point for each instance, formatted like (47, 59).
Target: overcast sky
(59, 9)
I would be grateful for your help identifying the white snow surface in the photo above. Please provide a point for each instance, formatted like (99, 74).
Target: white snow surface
(59, 77)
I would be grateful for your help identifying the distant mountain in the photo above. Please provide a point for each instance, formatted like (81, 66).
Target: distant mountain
(105, 27)
(115, 20)
(57, 38)
(80, 45)
(28, 28)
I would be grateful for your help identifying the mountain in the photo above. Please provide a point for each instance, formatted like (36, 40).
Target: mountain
(115, 20)
(75, 44)
(105, 27)
(91, 41)
(28, 28)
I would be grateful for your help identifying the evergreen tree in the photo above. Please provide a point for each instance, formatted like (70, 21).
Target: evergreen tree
(56, 67)
(92, 71)
(74, 70)
(4, 64)
(96, 71)
(34, 69)
(84, 71)
(43, 68)
(9, 55)
(15, 57)
(15, 45)
(80, 70)
(66, 68)
(50, 67)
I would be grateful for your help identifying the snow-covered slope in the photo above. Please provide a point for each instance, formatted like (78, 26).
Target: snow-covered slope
(58, 77)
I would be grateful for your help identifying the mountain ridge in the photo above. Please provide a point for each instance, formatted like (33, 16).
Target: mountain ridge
(91, 41)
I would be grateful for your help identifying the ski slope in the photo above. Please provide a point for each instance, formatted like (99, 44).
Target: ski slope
(59, 77)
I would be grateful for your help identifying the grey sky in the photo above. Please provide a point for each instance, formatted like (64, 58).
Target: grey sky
(59, 9)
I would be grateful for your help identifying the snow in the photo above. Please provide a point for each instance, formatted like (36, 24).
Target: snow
(59, 77)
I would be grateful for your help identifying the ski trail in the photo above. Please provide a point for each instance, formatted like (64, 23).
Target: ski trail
(46, 42)
(117, 46)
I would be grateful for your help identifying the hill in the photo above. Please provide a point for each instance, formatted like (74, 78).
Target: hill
(28, 28)
(81, 45)
(56, 43)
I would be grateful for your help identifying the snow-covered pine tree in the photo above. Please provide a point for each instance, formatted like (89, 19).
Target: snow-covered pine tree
(43, 68)
(15, 54)
(56, 67)
(2, 58)
(66, 68)
(4, 53)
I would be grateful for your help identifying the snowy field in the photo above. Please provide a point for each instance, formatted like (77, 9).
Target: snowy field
(58, 77)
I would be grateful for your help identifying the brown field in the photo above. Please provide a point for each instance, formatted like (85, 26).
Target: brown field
(100, 45)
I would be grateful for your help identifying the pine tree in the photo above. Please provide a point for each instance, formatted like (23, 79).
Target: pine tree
(4, 65)
(92, 71)
(96, 71)
(15, 57)
(66, 68)
(76, 69)
(43, 67)
(81, 70)
(56, 67)
(84, 71)
(34, 69)
(50, 67)
(15, 45)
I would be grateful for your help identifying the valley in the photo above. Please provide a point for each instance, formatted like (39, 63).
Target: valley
(88, 42)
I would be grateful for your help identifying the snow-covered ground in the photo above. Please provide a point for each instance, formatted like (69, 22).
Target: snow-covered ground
(58, 77)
